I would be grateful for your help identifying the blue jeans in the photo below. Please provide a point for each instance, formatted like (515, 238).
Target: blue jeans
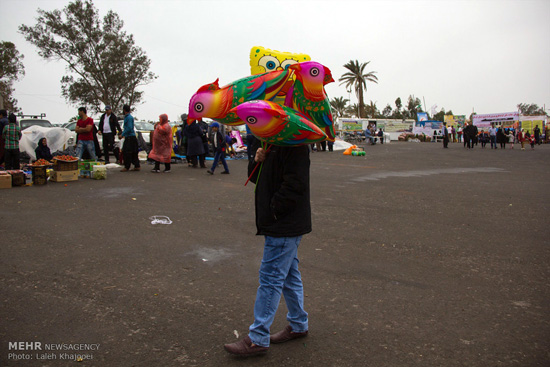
(278, 274)
(86, 145)
(217, 157)
(493, 139)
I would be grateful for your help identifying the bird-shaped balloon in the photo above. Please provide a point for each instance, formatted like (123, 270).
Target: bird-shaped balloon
(278, 125)
(308, 94)
(214, 102)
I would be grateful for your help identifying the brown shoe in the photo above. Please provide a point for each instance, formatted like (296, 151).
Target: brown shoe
(285, 335)
(244, 348)
(124, 170)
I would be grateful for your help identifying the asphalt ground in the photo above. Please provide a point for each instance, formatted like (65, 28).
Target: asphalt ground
(419, 256)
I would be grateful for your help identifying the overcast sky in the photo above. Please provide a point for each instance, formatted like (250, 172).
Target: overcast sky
(486, 56)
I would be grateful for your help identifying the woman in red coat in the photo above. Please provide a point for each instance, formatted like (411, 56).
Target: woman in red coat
(162, 144)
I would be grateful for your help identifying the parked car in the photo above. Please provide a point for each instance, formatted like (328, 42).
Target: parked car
(26, 123)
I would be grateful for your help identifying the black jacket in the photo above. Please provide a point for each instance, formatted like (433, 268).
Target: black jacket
(113, 122)
(220, 144)
(282, 192)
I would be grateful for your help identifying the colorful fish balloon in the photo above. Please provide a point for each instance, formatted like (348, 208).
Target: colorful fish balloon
(308, 94)
(278, 125)
(214, 102)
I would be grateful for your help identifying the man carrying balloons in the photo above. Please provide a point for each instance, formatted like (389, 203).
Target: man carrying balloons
(283, 216)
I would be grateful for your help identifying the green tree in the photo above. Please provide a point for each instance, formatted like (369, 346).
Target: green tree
(414, 105)
(397, 114)
(357, 78)
(531, 109)
(440, 116)
(11, 70)
(104, 65)
(339, 105)
(387, 111)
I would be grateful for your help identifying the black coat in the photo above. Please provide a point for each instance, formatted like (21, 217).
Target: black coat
(220, 144)
(282, 192)
(43, 152)
(113, 122)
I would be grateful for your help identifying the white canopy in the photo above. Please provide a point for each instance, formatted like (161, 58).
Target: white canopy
(57, 138)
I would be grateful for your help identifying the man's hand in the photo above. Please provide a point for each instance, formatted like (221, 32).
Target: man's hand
(99, 133)
(260, 155)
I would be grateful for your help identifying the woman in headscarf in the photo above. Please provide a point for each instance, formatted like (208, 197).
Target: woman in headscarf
(42, 151)
(162, 144)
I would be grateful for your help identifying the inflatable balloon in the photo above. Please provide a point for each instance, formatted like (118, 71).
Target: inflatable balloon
(214, 102)
(278, 125)
(263, 60)
(308, 96)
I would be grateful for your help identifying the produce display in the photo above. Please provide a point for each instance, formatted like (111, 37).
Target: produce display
(66, 158)
(99, 174)
(42, 162)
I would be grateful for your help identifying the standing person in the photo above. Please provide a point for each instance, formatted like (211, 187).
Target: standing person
(459, 134)
(536, 131)
(204, 128)
(381, 136)
(162, 145)
(453, 134)
(467, 135)
(195, 146)
(330, 145)
(493, 135)
(3, 122)
(283, 216)
(218, 143)
(483, 137)
(521, 138)
(130, 148)
(474, 135)
(184, 139)
(532, 141)
(501, 137)
(108, 127)
(85, 138)
(11, 134)
(42, 151)
(445, 133)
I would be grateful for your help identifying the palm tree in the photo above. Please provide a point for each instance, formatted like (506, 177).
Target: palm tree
(339, 105)
(372, 110)
(357, 79)
(352, 110)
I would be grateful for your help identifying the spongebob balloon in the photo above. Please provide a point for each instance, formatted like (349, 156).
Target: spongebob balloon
(263, 60)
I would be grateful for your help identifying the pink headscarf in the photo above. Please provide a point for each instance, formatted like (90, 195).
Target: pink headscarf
(163, 118)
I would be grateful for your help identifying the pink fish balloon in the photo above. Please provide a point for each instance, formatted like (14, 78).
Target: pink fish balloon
(278, 125)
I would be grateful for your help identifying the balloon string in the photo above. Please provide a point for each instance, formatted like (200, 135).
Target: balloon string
(258, 164)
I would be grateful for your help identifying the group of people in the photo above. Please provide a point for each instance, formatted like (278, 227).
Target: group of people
(371, 134)
(108, 128)
(495, 136)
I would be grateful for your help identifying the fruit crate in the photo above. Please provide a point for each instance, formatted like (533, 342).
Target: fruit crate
(61, 165)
